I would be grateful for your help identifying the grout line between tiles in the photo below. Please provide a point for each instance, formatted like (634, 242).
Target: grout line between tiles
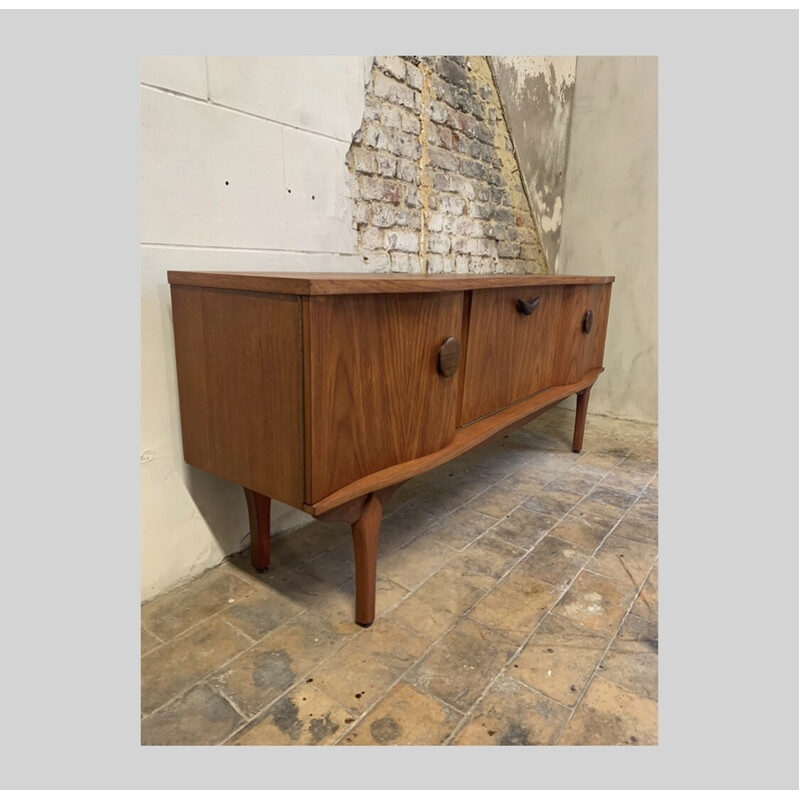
(525, 552)
(466, 612)
(602, 658)
(544, 616)
(600, 473)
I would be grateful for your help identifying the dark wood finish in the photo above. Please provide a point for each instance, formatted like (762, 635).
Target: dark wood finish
(577, 351)
(258, 508)
(466, 438)
(321, 283)
(365, 515)
(594, 343)
(449, 357)
(326, 392)
(238, 359)
(527, 308)
(580, 419)
(366, 531)
(376, 396)
(307, 394)
(190, 361)
(510, 355)
(466, 316)
(351, 511)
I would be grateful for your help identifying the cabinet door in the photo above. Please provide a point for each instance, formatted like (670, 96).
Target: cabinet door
(373, 391)
(580, 343)
(510, 353)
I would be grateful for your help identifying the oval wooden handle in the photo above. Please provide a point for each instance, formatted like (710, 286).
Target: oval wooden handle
(528, 308)
(449, 356)
(588, 320)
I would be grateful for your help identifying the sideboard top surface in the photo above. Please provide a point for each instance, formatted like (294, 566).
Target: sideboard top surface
(322, 283)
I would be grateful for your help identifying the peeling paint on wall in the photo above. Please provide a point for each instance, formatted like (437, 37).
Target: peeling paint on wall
(536, 94)
(434, 179)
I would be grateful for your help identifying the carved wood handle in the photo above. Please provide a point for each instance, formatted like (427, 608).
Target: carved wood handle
(588, 320)
(449, 356)
(528, 308)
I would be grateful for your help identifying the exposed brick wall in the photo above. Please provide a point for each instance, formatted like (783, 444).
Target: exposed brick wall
(434, 179)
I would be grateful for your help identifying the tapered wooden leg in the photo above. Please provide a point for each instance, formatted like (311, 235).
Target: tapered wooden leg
(366, 531)
(258, 507)
(580, 420)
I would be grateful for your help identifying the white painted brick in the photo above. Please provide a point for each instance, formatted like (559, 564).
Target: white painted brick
(464, 244)
(407, 171)
(410, 123)
(439, 243)
(393, 91)
(453, 205)
(434, 263)
(383, 216)
(401, 240)
(378, 262)
(364, 161)
(401, 262)
(394, 65)
(372, 239)
(184, 74)
(413, 76)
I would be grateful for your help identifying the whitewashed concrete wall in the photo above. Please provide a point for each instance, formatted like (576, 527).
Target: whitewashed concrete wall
(243, 168)
(610, 224)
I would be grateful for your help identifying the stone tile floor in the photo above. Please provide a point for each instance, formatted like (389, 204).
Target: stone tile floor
(517, 605)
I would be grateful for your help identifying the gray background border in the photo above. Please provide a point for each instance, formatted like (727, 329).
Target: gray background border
(728, 291)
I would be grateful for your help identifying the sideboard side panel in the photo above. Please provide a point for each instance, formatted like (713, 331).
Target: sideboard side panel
(240, 386)
(190, 361)
(377, 398)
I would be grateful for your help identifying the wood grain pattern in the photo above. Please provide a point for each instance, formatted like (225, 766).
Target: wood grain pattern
(580, 419)
(365, 515)
(449, 357)
(366, 532)
(598, 301)
(570, 344)
(577, 351)
(322, 283)
(328, 392)
(465, 439)
(510, 354)
(239, 365)
(258, 512)
(190, 363)
(375, 393)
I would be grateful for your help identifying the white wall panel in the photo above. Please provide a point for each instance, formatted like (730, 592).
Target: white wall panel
(210, 177)
(183, 74)
(323, 94)
(318, 209)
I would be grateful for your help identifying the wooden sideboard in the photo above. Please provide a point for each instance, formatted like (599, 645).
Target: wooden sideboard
(327, 391)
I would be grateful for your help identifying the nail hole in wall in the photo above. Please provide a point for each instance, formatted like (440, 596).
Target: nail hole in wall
(226, 183)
